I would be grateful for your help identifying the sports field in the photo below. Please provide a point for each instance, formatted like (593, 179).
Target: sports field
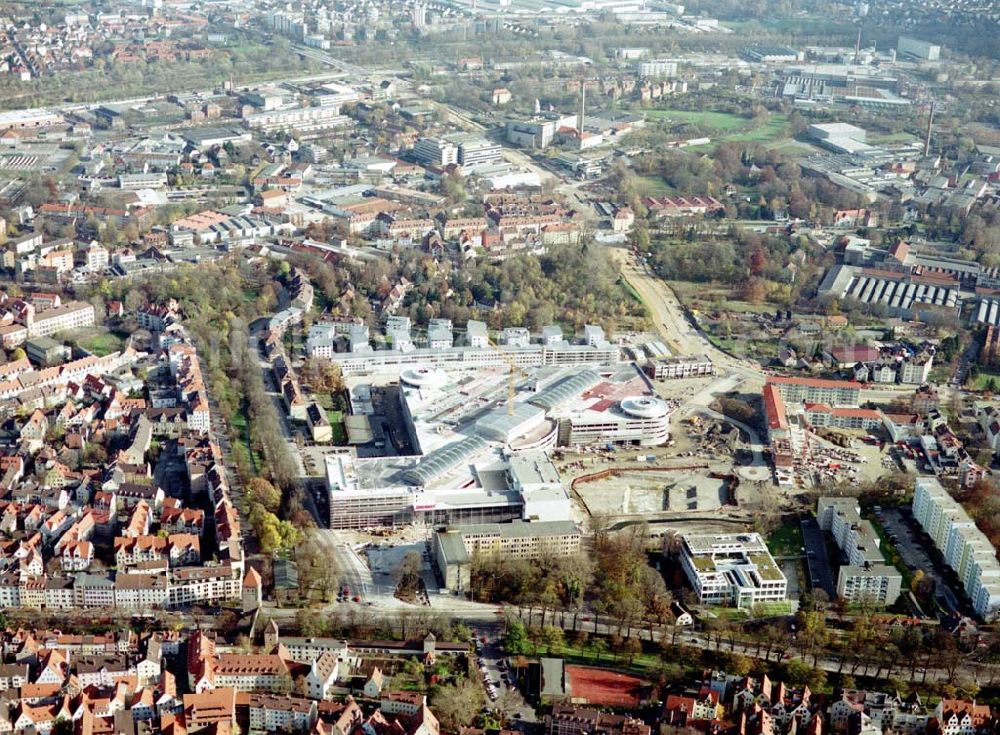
(609, 688)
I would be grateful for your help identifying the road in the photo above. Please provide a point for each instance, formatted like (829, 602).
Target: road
(488, 621)
(325, 58)
(279, 409)
(962, 369)
(492, 670)
(914, 552)
(669, 317)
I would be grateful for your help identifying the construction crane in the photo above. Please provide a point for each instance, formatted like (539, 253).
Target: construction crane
(513, 371)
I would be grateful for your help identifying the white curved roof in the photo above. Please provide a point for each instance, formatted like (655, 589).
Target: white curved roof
(423, 377)
(644, 407)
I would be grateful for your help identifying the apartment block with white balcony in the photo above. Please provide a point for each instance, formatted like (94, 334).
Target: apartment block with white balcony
(964, 547)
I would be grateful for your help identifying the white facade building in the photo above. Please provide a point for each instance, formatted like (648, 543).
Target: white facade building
(436, 152)
(965, 548)
(735, 570)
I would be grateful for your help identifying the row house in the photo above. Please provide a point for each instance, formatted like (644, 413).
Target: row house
(248, 673)
(179, 549)
(77, 556)
(141, 591)
(102, 670)
(270, 713)
(199, 585)
(183, 520)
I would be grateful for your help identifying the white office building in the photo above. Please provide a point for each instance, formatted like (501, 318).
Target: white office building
(476, 334)
(917, 49)
(436, 152)
(475, 150)
(734, 569)
(657, 68)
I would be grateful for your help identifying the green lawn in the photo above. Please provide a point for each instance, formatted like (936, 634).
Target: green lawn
(773, 130)
(787, 145)
(773, 609)
(982, 379)
(243, 430)
(786, 541)
(641, 664)
(100, 344)
(337, 425)
(653, 186)
(701, 118)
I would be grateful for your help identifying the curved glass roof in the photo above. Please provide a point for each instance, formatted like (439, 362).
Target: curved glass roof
(565, 389)
(442, 461)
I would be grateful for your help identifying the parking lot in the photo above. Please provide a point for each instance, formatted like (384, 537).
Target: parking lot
(385, 559)
(820, 571)
(494, 674)
(905, 534)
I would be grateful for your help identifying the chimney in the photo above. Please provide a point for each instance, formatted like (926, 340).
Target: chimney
(930, 123)
(583, 105)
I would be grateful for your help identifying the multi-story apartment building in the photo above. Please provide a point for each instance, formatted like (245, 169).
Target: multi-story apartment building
(878, 583)
(965, 548)
(246, 673)
(684, 366)
(71, 315)
(657, 68)
(816, 390)
(864, 575)
(734, 569)
(96, 257)
(570, 720)
(402, 702)
(857, 419)
(454, 548)
(94, 590)
(916, 371)
(196, 585)
(268, 713)
(157, 317)
(141, 591)
(206, 709)
(13, 676)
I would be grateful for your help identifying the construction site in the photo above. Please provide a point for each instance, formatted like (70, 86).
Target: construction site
(688, 484)
(646, 492)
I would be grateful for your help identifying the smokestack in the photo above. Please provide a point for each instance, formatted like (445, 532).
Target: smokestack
(857, 49)
(930, 123)
(583, 104)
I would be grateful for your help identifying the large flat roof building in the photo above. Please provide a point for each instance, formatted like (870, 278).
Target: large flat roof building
(454, 548)
(732, 569)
